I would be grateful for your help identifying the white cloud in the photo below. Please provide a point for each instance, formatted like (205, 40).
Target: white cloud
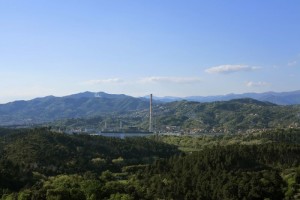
(292, 63)
(225, 69)
(103, 81)
(256, 84)
(164, 79)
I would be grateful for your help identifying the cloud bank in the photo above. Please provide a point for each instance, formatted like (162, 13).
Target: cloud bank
(293, 63)
(103, 81)
(226, 69)
(165, 79)
(256, 84)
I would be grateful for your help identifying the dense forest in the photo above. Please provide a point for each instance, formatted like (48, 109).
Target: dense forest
(29, 156)
(231, 172)
(233, 116)
(85, 112)
(40, 164)
(80, 105)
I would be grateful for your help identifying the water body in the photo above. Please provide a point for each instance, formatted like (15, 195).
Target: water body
(124, 135)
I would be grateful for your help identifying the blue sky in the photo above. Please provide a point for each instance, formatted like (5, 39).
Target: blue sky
(137, 47)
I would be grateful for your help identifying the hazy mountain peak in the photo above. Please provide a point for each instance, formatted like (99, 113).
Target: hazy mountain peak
(280, 98)
(72, 106)
(86, 94)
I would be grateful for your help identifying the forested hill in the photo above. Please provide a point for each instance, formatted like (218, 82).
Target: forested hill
(185, 116)
(224, 116)
(50, 108)
(41, 165)
(94, 109)
(230, 172)
(55, 153)
(32, 157)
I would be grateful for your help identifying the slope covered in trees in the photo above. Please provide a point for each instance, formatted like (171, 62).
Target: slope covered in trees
(28, 156)
(50, 108)
(230, 116)
(247, 166)
(194, 117)
(230, 172)
(55, 153)
(38, 164)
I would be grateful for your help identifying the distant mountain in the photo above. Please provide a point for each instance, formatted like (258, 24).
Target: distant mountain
(280, 98)
(195, 117)
(50, 108)
(91, 104)
(226, 116)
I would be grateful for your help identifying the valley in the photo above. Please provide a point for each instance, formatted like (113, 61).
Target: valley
(236, 149)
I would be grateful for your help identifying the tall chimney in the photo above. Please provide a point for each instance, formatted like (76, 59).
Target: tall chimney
(150, 117)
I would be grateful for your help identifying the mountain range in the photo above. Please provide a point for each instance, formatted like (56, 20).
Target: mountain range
(91, 104)
(86, 104)
(280, 98)
(195, 117)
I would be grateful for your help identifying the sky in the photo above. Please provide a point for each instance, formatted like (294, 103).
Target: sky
(137, 47)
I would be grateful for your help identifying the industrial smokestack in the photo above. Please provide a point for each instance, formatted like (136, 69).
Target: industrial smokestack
(150, 117)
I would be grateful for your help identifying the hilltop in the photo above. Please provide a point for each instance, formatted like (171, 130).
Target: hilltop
(94, 111)
(194, 117)
(280, 98)
(51, 108)
(44, 165)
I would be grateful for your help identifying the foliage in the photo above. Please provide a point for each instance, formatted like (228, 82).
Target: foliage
(194, 117)
(190, 143)
(30, 157)
(227, 117)
(74, 106)
(39, 164)
(223, 172)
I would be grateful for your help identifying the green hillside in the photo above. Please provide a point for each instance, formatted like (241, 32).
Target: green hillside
(42, 165)
(228, 116)
(193, 117)
(74, 106)
(226, 172)
(52, 153)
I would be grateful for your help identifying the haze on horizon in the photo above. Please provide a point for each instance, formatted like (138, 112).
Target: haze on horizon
(169, 48)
